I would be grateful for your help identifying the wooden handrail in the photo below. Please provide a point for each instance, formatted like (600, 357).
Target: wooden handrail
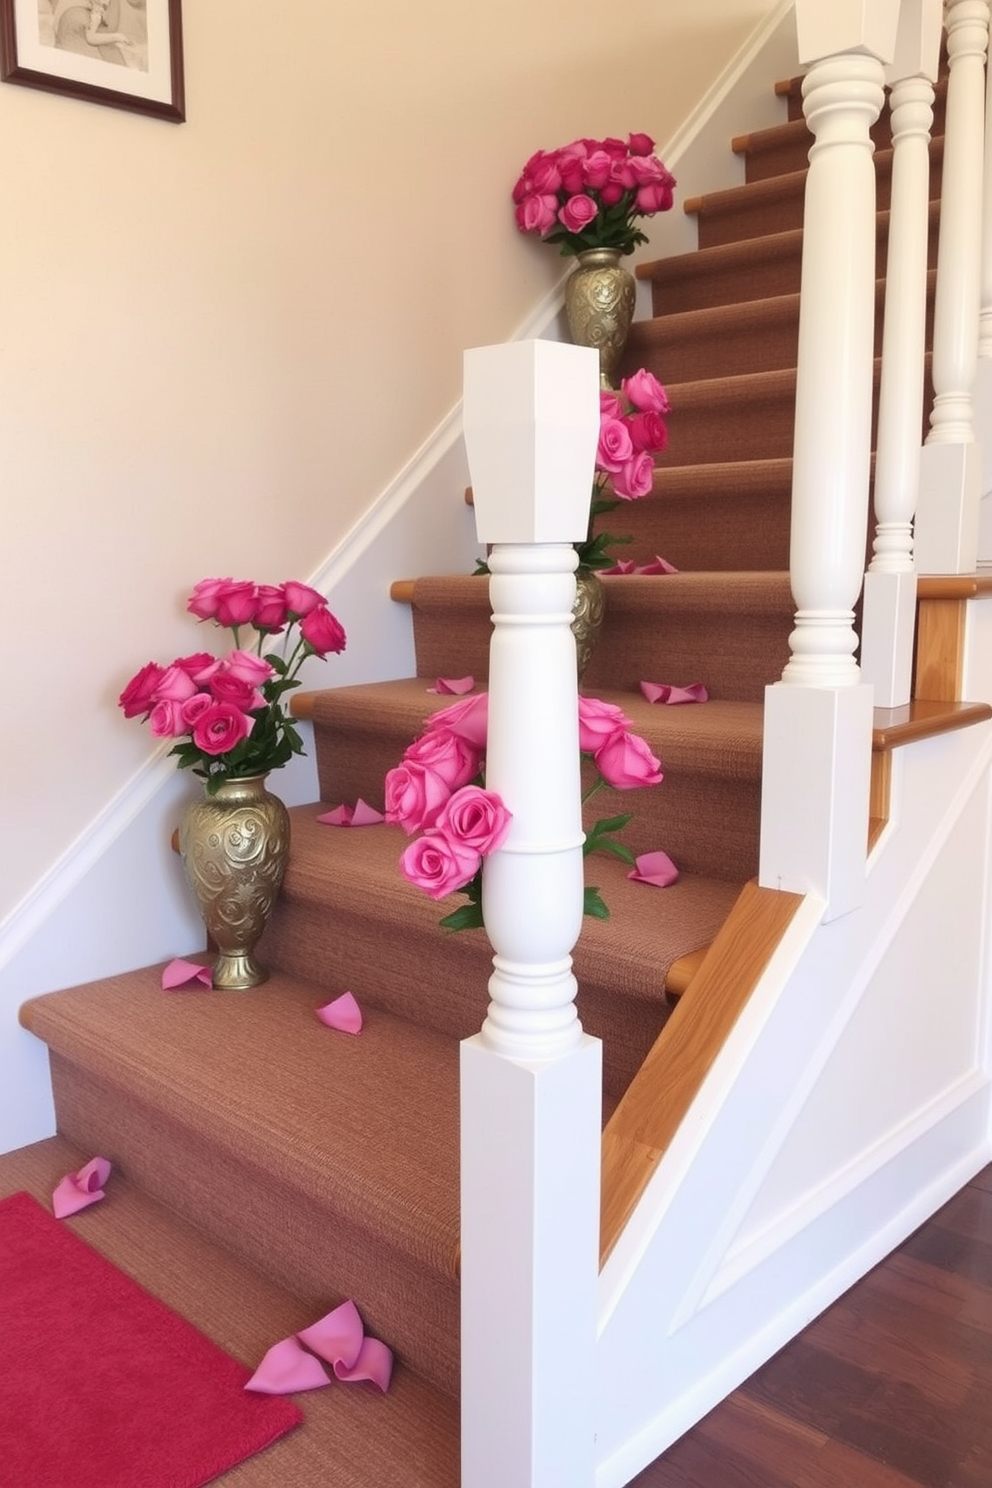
(658, 1097)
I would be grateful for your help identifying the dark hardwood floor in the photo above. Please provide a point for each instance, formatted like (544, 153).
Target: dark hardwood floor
(891, 1387)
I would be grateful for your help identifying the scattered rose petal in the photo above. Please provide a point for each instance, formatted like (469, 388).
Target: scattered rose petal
(622, 566)
(343, 1013)
(359, 815)
(654, 868)
(365, 815)
(453, 686)
(77, 1190)
(180, 973)
(374, 1363)
(658, 565)
(288, 1367)
(663, 692)
(337, 1336)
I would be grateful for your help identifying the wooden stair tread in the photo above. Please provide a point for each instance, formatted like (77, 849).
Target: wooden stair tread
(923, 719)
(351, 1437)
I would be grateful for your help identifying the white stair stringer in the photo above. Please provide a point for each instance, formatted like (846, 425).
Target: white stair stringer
(851, 1100)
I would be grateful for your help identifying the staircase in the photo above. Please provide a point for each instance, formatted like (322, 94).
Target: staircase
(265, 1167)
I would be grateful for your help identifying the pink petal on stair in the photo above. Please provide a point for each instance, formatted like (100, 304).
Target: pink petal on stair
(664, 692)
(180, 973)
(374, 1363)
(343, 1013)
(337, 1336)
(658, 565)
(453, 686)
(365, 815)
(654, 868)
(288, 1367)
(622, 566)
(77, 1190)
(340, 817)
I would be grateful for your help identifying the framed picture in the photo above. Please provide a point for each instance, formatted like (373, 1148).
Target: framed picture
(125, 53)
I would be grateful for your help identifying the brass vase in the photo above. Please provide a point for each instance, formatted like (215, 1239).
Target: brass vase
(587, 615)
(599, 304)
(234, 845)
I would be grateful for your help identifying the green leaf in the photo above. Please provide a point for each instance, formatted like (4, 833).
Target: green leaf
(593, 905)
(468, 917)
(613, 823)
(607, 844)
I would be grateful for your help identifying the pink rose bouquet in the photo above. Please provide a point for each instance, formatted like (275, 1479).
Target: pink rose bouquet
(589, 194)
(438, 790)
(226, 713)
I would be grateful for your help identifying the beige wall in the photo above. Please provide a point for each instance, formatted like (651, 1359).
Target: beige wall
(219, 341)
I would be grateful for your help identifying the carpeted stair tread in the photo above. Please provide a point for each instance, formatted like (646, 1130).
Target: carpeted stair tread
(288, 1095)
(729, 630)
(352, 1436)
(722, 340)
(748, 269)
(412, 969)
(728, 516)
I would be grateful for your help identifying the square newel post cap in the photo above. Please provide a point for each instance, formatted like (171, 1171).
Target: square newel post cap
(921, 26)
(826, 27)
(531, 422)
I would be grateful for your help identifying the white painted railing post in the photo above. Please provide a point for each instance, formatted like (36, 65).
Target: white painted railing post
(531, 1079)
(889, 614)
(983, 370)
(818, 719)
(948, 509)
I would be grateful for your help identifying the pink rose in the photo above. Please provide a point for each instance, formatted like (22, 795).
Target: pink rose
(610, 405)
(615, 447)
(235, 604)
(625, 761)
(657, 196)
(195, 707)
(220, 727)
(322, 631)
(648, 431)
(249, 667)
(570, 160)
(636, 479)
(598, 723)
(622, 173)
(438, 865)
(645, 392)
(225, 687)
(203, 601)
(543, 175)
(195, 664)
(578, 212)
(537, 214)
(596, 169)
(271, 610)
(476, 818)
(415, 796)
(612, 193)
(166, 719)
(138, 695)
(447, 754)
(468, 718)
(300, 598)
(640, 144)
(174, 686)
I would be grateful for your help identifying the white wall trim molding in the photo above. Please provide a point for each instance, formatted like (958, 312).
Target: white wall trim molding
(27, 917)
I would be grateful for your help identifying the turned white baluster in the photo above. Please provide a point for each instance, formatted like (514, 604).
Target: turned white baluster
(889, 616)
(832, 445)
(947, 511)
(531, 1079)
(817, 750)
(983, 369)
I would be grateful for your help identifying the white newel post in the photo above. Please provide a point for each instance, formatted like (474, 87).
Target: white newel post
(818, 719)
(889, 615)
(531, 1083)
(950, 479)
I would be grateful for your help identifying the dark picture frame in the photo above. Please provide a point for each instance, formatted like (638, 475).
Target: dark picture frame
(58, 46)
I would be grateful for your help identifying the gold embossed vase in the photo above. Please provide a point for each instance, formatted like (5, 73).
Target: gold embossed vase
(588, 612)
(234, 845)
(599, 305)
